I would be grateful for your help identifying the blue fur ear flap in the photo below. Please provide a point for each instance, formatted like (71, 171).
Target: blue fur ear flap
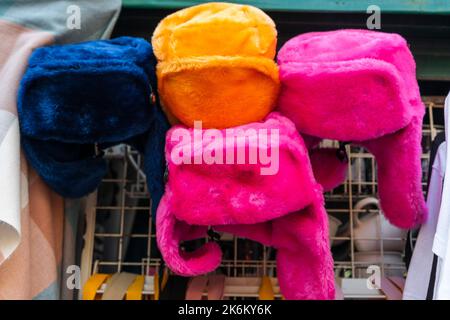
(75, 97)
(154, 159)
(68, 176)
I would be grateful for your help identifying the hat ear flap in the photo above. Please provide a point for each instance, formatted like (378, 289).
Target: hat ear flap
(154, 160)
(171, 231)
(57, 164)
(329, 169)
(400, 175)
(304, 261)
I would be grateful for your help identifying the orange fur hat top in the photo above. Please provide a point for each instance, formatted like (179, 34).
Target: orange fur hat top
(215, 64)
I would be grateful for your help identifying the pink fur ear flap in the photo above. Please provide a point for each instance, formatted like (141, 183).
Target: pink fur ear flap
(329, 167)
(399, 175)
(169, 233)
(304, 261)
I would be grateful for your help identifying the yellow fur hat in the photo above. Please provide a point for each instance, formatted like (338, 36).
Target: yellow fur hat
(215, 64)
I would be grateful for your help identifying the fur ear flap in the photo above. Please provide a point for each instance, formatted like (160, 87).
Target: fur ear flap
(154, 160)
(399, 175)
(304, 261)
(69, 169)
(329, 170)
(169, 233)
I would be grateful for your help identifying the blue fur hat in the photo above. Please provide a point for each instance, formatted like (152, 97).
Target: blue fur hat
(80, 98)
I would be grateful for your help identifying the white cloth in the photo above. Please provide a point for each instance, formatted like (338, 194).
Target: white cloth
(442, 237)
(10, 184)
(419, 271)
(23, 28)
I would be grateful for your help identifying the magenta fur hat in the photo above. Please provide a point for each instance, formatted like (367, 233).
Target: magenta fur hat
(281, 206)
(360, 86)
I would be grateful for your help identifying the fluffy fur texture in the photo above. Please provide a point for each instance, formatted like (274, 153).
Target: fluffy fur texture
(220, 91)
(75, 174)
(304, 262)
(383, 111)
(97, 91)
(243, 196)
(284, 210)
(215, 28)
(216, 65)
(154, 160)
(329, 170)
(73, 96)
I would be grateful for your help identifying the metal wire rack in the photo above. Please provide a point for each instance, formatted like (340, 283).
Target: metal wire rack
(242, 258)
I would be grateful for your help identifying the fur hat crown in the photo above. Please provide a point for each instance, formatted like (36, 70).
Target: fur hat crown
(215, 29)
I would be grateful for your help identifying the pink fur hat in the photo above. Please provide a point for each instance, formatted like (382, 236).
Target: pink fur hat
(360, 86)
(282, 206)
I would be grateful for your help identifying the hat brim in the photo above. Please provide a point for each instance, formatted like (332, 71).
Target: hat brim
(221, 92)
